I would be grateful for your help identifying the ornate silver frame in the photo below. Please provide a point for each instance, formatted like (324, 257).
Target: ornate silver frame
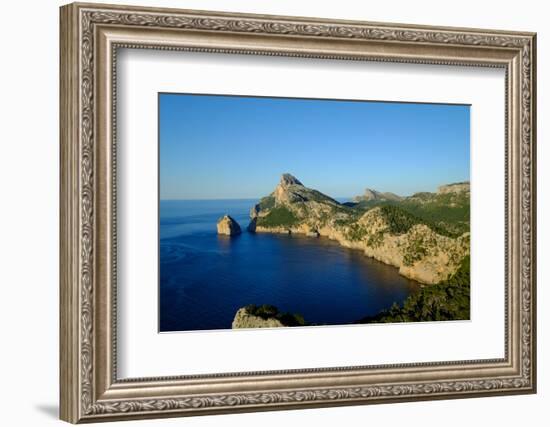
(90, 36)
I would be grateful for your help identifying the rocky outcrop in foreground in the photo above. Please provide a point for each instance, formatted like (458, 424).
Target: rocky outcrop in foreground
(427, 249)
(265, 316)
(243, 319)
(228, 226)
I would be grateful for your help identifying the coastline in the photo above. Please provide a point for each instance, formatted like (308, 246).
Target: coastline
(427, 271)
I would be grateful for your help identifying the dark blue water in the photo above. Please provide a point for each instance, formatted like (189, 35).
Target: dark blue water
(206, 278)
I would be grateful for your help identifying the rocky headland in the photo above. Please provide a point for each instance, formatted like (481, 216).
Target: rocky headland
(425, 236)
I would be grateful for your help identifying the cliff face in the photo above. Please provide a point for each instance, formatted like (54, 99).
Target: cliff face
(423, 249)
(457, 187)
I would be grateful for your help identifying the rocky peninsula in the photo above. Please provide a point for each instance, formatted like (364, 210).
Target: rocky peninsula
(426, 235)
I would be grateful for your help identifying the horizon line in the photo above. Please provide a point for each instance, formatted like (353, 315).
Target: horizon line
(334, 197)
(467, 181)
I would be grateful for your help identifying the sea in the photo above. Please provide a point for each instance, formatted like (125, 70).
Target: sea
(205, 277)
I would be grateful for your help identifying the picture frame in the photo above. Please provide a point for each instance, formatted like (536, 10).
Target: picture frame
(91, 35)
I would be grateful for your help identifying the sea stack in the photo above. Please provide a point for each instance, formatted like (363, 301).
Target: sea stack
(228, 226)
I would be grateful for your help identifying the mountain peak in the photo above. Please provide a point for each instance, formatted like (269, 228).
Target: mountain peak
(371, 194)
(291, 190)
(288, 179)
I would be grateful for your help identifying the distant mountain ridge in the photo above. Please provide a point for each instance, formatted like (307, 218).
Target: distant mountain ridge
(374, 195)
(370, 194)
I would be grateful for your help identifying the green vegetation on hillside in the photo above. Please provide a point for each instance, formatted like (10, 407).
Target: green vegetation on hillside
(446, 214)
(356, 232)
(446, 300)
(399, 220)
(450, 211)
(267, 202)
(279, 216)
(267, 311)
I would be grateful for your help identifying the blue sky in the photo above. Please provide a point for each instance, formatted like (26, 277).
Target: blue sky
(230, 147)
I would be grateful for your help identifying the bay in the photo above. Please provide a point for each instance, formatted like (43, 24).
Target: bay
(205, 278)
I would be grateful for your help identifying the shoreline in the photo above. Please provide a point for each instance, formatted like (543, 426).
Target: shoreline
(415, 271)
(354, 248)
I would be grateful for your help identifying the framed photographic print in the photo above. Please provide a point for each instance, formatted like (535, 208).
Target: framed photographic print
(265, 212)
(242, 248)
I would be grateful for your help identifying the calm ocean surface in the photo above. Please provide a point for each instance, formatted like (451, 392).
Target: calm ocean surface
(206, 278)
